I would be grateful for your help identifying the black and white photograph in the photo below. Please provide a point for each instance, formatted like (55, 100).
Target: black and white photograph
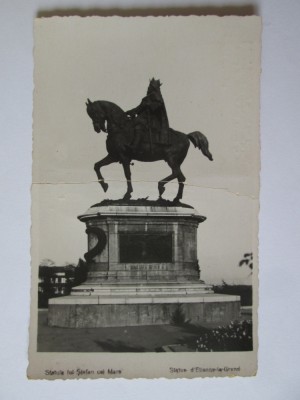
(145, 197)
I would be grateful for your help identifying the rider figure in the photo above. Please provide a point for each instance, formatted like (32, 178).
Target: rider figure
(151, 116)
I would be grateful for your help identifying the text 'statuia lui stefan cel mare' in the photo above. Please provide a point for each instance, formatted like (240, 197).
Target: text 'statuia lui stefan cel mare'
(145, 197)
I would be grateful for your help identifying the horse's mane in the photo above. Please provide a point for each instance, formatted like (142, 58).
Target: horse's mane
(108, 105)
(115, 113)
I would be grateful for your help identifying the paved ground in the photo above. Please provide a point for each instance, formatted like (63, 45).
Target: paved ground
(123, 339)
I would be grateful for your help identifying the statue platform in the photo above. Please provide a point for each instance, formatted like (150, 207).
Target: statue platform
(142, 270)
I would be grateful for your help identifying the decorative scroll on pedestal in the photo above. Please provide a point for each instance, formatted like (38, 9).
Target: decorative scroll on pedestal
(100, 246)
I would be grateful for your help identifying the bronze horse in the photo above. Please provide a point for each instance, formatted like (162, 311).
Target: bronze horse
(110, 118)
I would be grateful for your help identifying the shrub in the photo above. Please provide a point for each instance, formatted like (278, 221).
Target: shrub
(178, 316)
(235, 337)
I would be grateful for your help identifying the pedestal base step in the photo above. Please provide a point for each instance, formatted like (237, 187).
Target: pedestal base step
(118, 310)
(138, 289)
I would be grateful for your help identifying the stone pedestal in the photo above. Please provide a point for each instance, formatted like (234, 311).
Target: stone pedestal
(142, 270)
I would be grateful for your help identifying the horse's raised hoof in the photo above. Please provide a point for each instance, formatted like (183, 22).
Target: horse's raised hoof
(104, 186)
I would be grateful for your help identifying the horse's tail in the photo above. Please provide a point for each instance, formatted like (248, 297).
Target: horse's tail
(200, 141)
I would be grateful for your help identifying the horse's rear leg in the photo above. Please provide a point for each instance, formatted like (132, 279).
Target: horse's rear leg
(181, 180)
(105, 161)
(176, 173)
(161, 184)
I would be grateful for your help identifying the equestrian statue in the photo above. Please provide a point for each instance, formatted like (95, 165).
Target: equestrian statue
(143, 134)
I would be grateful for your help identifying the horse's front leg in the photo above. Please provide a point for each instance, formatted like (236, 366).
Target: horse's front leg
(105, 161)
(127, 172)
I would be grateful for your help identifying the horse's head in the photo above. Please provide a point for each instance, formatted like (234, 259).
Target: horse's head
(97, 115)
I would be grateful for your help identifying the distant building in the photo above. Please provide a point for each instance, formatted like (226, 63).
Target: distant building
(54, 281)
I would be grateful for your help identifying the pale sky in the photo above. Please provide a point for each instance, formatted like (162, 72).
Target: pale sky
(210, 74)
